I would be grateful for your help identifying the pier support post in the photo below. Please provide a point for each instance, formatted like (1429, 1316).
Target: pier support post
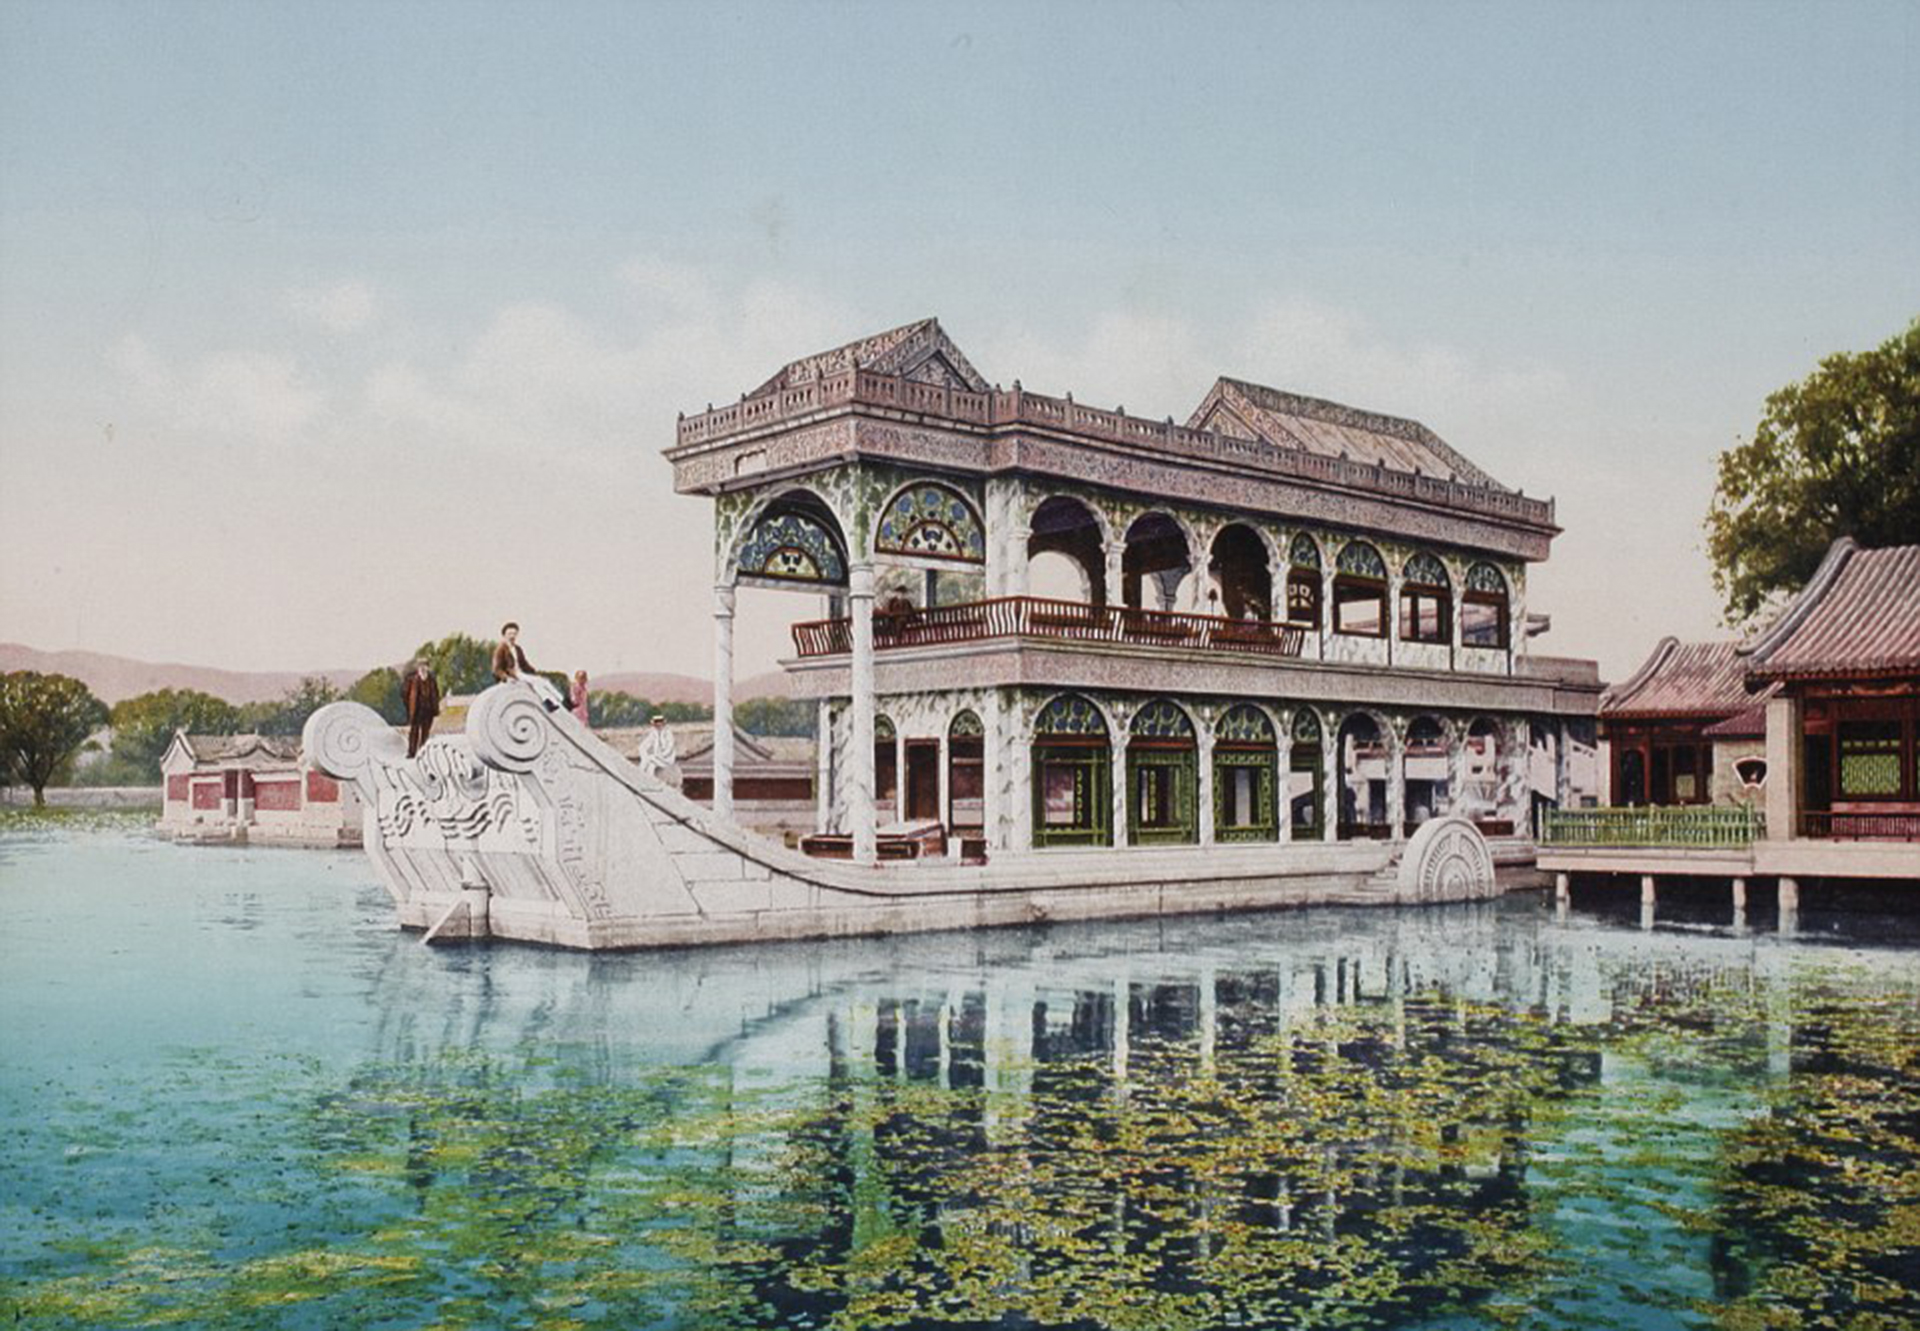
(1646, 901)
(1562, 891)
(723, 702)
(860, 810)
(1789, 905)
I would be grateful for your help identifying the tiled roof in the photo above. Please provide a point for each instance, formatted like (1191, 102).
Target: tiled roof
(1288, 420)
(1680, 679)
(920, 351)
(1858, 615)
(1750, 724)
(226, 748)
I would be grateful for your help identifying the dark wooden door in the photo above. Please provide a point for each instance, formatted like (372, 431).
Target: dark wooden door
(923, 778)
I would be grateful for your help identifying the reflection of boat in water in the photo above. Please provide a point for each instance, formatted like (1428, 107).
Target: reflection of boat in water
(529, 827)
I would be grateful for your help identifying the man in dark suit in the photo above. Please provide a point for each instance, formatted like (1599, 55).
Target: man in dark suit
(421, 696)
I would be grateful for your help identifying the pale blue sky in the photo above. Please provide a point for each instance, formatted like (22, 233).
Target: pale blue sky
(273, 276)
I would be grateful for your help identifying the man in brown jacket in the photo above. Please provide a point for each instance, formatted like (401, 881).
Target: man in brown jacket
(420, 693)
(510, 663)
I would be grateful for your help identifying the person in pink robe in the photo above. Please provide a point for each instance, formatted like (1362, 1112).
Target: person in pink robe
(577, 698)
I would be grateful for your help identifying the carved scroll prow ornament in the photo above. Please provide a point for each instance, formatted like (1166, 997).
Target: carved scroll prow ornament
(508, 728)
(346, 740)
(1446, 860)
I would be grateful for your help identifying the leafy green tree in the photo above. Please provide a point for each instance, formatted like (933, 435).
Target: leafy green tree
(1837, 454)
(284, 716)
(608, 709)
(44, 722)
(776, 716)
(461, 662)
(143, 726)
(379, 689)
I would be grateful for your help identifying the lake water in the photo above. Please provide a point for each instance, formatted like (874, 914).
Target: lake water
(233, 1095)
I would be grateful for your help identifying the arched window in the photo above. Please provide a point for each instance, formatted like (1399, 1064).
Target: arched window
(1072, 775)
(1238, 564)
(1360, 592)
(928, 520)
(1425, 771)
(1162, 776)
(1484, 612)
(795, 540)
(1065, 532)
(1303, 583)
(886, 769)
(1426, 601)
(1363, 780)
(1306, 797)
(966, 774)
(1244, 763)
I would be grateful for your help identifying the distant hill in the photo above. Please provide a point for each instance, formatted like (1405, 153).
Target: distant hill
(113, 678)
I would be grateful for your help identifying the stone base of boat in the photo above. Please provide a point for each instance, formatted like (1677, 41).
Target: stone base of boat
(529, 828)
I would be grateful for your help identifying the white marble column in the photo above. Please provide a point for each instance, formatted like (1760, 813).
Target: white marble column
(1116, 574)
(1786, 760)
(1326, 610)
(993, 765)
(1457, 767)
(823, 767)
(1396, 781)
(860, 810)
(1330, 779)
(1121, 789)
(1204, 761)
(723, 701)
(1283, 780)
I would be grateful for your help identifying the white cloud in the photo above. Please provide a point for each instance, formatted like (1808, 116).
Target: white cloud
(247, 395)
(340, 307)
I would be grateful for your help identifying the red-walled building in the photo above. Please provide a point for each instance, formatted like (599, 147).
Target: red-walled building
(256, 788)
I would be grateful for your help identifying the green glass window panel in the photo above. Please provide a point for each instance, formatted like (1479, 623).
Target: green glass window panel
(1303, 553)
(967, 724)
(1243, 797)
(1870, 758)
(882, 729)
(1071, 797)
(1306, 726)
(1362, 561)
(1161, 804)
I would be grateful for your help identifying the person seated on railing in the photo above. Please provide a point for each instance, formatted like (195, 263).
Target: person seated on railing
(895, 617)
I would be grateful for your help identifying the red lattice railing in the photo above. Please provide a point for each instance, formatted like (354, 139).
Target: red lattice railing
(1853, 825)
(1038, 617)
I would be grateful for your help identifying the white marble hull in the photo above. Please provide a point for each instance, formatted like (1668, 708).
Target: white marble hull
(527, 827)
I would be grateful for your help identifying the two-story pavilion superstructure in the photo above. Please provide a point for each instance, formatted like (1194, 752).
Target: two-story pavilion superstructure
(1047, 624)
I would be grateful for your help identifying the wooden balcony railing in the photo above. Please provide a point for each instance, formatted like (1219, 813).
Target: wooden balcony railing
(1855, 825)
(1686, 825)
(1038, 617)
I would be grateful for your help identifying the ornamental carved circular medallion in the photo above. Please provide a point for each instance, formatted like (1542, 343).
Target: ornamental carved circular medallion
(1447, 860)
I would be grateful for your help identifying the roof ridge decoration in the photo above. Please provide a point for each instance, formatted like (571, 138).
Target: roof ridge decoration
(1776, 634)
(920, 351)
(1281, 419)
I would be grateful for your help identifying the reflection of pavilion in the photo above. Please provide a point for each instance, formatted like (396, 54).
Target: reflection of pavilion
(1051, 625)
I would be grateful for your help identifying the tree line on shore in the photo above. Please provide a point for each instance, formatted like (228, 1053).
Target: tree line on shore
(48, 722)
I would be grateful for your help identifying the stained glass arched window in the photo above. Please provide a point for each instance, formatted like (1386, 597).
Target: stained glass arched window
(931, 521)
(791, 544)
(1426, 601)
(1162, 720)
(1244, 724)
(1070, 714)
(1484, 611)
(1361, 560)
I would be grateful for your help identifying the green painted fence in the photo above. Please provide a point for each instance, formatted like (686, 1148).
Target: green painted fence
(1652, 826)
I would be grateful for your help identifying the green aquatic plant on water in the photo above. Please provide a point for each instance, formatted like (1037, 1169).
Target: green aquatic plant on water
(1363, 1165)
